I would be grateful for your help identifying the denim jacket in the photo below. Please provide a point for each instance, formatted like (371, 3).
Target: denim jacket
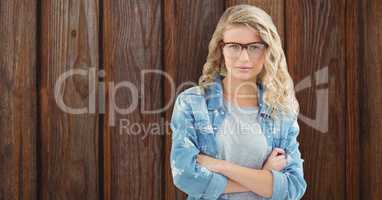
(196, 118)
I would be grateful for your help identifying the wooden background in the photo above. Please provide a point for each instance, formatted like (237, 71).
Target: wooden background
(46, 153)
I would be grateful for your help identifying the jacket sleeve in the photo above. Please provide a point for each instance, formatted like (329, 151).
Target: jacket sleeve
(190, 177)
(289, 183)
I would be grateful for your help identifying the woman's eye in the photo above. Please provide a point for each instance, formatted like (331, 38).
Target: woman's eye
(234, 46)
(254, 47)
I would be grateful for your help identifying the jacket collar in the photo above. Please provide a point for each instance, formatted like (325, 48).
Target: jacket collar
(214, 96)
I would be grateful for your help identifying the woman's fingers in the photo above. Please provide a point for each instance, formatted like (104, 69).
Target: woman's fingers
(279, 150)
(273, 153)
(276, 151)
(282, 160)
(280, 157)
(276, 160)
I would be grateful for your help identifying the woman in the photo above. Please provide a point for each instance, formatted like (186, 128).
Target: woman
(235, 134)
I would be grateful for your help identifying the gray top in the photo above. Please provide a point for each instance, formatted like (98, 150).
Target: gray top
(241, 141)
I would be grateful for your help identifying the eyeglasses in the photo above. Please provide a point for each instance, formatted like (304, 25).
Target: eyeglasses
(234, 49)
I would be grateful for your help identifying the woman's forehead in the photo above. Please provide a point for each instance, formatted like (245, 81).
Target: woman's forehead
(241, 33)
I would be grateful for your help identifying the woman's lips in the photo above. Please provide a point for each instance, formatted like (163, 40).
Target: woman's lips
(244, 67)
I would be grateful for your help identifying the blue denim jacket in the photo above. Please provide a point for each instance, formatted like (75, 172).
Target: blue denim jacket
(196, 118)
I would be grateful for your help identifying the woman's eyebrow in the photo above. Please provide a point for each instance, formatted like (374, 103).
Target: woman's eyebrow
(246, 43)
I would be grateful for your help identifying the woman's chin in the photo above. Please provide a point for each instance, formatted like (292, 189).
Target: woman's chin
(244, 76)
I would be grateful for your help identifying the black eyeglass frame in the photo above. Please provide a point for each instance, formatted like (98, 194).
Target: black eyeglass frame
(243, 46)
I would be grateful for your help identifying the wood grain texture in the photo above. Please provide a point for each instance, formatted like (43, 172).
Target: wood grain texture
(133, 152)
(353, 65)
(189, 26)
(371, 100)
(315, 40)
(69, 142)
(275, 8)
(18, 99)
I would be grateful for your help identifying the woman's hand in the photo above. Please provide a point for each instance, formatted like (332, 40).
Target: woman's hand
(276, 160)
(212, 164)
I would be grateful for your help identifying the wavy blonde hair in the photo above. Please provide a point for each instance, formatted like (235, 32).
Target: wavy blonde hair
(278, 85)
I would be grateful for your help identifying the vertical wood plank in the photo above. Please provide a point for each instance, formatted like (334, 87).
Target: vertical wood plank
(352, 44)
(371, 100)
(69, 142)
(189, 26)
(18, 99)
(315, 40)
(275, 8)
(132, 147)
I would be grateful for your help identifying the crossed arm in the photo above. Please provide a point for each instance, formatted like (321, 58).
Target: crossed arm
(286, 182)
(200, 181)
(243, 179)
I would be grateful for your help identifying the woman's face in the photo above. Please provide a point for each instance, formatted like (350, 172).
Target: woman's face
(243, 63)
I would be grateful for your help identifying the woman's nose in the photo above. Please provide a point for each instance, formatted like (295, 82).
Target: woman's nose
(244, 55)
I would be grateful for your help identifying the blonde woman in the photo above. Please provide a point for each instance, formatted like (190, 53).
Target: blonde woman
(235, 134)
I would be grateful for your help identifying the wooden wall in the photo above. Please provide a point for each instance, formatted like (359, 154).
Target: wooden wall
(133, 42)
(47, 153)
(18, 99)
(370, 99)
(68, 143)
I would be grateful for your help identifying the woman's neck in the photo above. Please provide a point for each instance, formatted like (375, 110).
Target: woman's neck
(241, 93)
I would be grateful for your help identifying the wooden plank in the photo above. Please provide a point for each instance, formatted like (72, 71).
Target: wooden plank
(188, 28)
(275, 8)
(315, 40)
(18, 99)
(371, 100)
(69, 142)
(133, 153)
(352, 41)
